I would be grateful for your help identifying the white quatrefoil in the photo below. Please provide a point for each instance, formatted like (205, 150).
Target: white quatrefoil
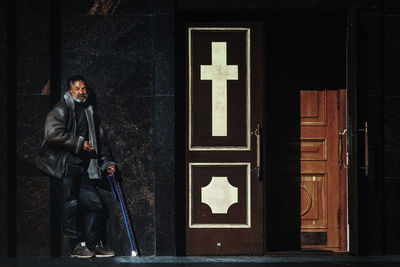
(219, 195)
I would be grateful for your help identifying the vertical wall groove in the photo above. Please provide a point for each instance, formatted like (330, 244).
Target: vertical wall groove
(11, 127)
(55, 93)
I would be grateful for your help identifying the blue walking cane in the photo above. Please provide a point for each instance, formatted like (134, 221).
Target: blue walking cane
(117, 192)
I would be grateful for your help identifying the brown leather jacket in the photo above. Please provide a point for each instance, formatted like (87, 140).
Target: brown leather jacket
(60, 140)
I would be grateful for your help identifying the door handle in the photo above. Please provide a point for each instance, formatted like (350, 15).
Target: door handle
(341, 134)
(366, 156)
(256, 132)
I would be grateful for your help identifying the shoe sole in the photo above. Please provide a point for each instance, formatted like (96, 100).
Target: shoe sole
(104, 256)
(81, 257)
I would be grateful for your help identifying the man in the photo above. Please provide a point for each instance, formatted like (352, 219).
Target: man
(75, 150)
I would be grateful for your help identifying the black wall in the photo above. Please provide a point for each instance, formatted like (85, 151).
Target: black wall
(391, 124)
(127, 53)
(3, 130)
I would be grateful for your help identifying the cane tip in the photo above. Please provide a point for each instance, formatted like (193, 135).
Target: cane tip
(134, 253)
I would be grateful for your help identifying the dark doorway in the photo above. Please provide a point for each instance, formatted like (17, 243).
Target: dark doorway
(306, 62)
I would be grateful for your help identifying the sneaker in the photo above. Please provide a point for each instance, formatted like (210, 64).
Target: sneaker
(82, 252)
(103, 252)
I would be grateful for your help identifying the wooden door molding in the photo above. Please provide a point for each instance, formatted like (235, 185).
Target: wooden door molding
(319, 169)
(224, 195)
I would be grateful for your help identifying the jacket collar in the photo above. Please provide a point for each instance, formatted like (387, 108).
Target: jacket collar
(69, 100)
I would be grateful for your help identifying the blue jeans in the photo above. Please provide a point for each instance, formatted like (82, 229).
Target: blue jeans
(83, 213)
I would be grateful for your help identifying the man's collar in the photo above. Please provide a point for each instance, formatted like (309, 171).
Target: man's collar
(69, 100)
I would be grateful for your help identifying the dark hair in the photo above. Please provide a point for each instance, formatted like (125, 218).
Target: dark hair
(73, 79)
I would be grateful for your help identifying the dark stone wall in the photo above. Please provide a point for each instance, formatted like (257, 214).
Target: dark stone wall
(257, 4)
(3, 130)
(32, 196)
(370, 109)
(391, 67)
(164, 139)
(378, 103)
(126, 53)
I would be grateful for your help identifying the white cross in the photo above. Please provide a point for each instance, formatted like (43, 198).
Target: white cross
(219, 73)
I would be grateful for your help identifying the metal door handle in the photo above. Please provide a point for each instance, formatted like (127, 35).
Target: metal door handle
(366, 156)
(341, 134)
(256, 132)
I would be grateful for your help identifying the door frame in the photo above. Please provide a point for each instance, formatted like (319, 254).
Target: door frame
(351, 87)
(348, 175)
(351, 120)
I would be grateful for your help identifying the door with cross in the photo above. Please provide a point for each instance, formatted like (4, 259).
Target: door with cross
(224, 108)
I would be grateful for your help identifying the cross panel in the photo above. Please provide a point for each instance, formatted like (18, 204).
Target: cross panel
(219, 89)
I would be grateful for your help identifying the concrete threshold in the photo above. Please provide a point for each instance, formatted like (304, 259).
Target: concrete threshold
(227, 261)
(258, 259)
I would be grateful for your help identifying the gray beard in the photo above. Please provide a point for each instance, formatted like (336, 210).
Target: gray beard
(77, 100)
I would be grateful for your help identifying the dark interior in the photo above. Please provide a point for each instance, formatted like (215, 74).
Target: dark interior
(304, 51)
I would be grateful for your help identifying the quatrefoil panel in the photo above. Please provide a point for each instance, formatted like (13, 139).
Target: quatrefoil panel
(219, 195)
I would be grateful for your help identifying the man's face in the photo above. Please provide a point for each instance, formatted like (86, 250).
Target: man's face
(78, 91)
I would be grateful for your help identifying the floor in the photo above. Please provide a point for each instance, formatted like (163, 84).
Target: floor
(286, 261)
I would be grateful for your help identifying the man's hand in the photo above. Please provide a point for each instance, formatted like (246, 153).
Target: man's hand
(87, 146)
(110, 170)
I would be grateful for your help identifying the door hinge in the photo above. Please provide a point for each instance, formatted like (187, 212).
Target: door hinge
(338, 99)
(338, 218)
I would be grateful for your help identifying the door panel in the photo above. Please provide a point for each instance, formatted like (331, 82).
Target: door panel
(319, 169)
(224, 105)
(305, 180)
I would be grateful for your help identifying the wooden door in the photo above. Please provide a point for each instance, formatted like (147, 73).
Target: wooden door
(322, 187)
(224, 193)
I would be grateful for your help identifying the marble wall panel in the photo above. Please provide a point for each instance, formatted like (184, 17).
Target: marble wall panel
(130, 127)
(392, 136)
(3, 177)
(3, 215)
(37, 6)
(3, 50)
(369, 53)
(3, 132)
(139, 198)
(111, 76)
(164, 167)
(107, 7)
(114, 53)
(257, 4)
(31, 113)
(129, 122)
(375, 138)
(391, 57)
(392, 215)
(164, 142)
(135, 7)
(370, 108)
(33, 61)
(3, 135)
(391, 7)
(33, 216)
(164, 6)
(374, 230)
(164, 54)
